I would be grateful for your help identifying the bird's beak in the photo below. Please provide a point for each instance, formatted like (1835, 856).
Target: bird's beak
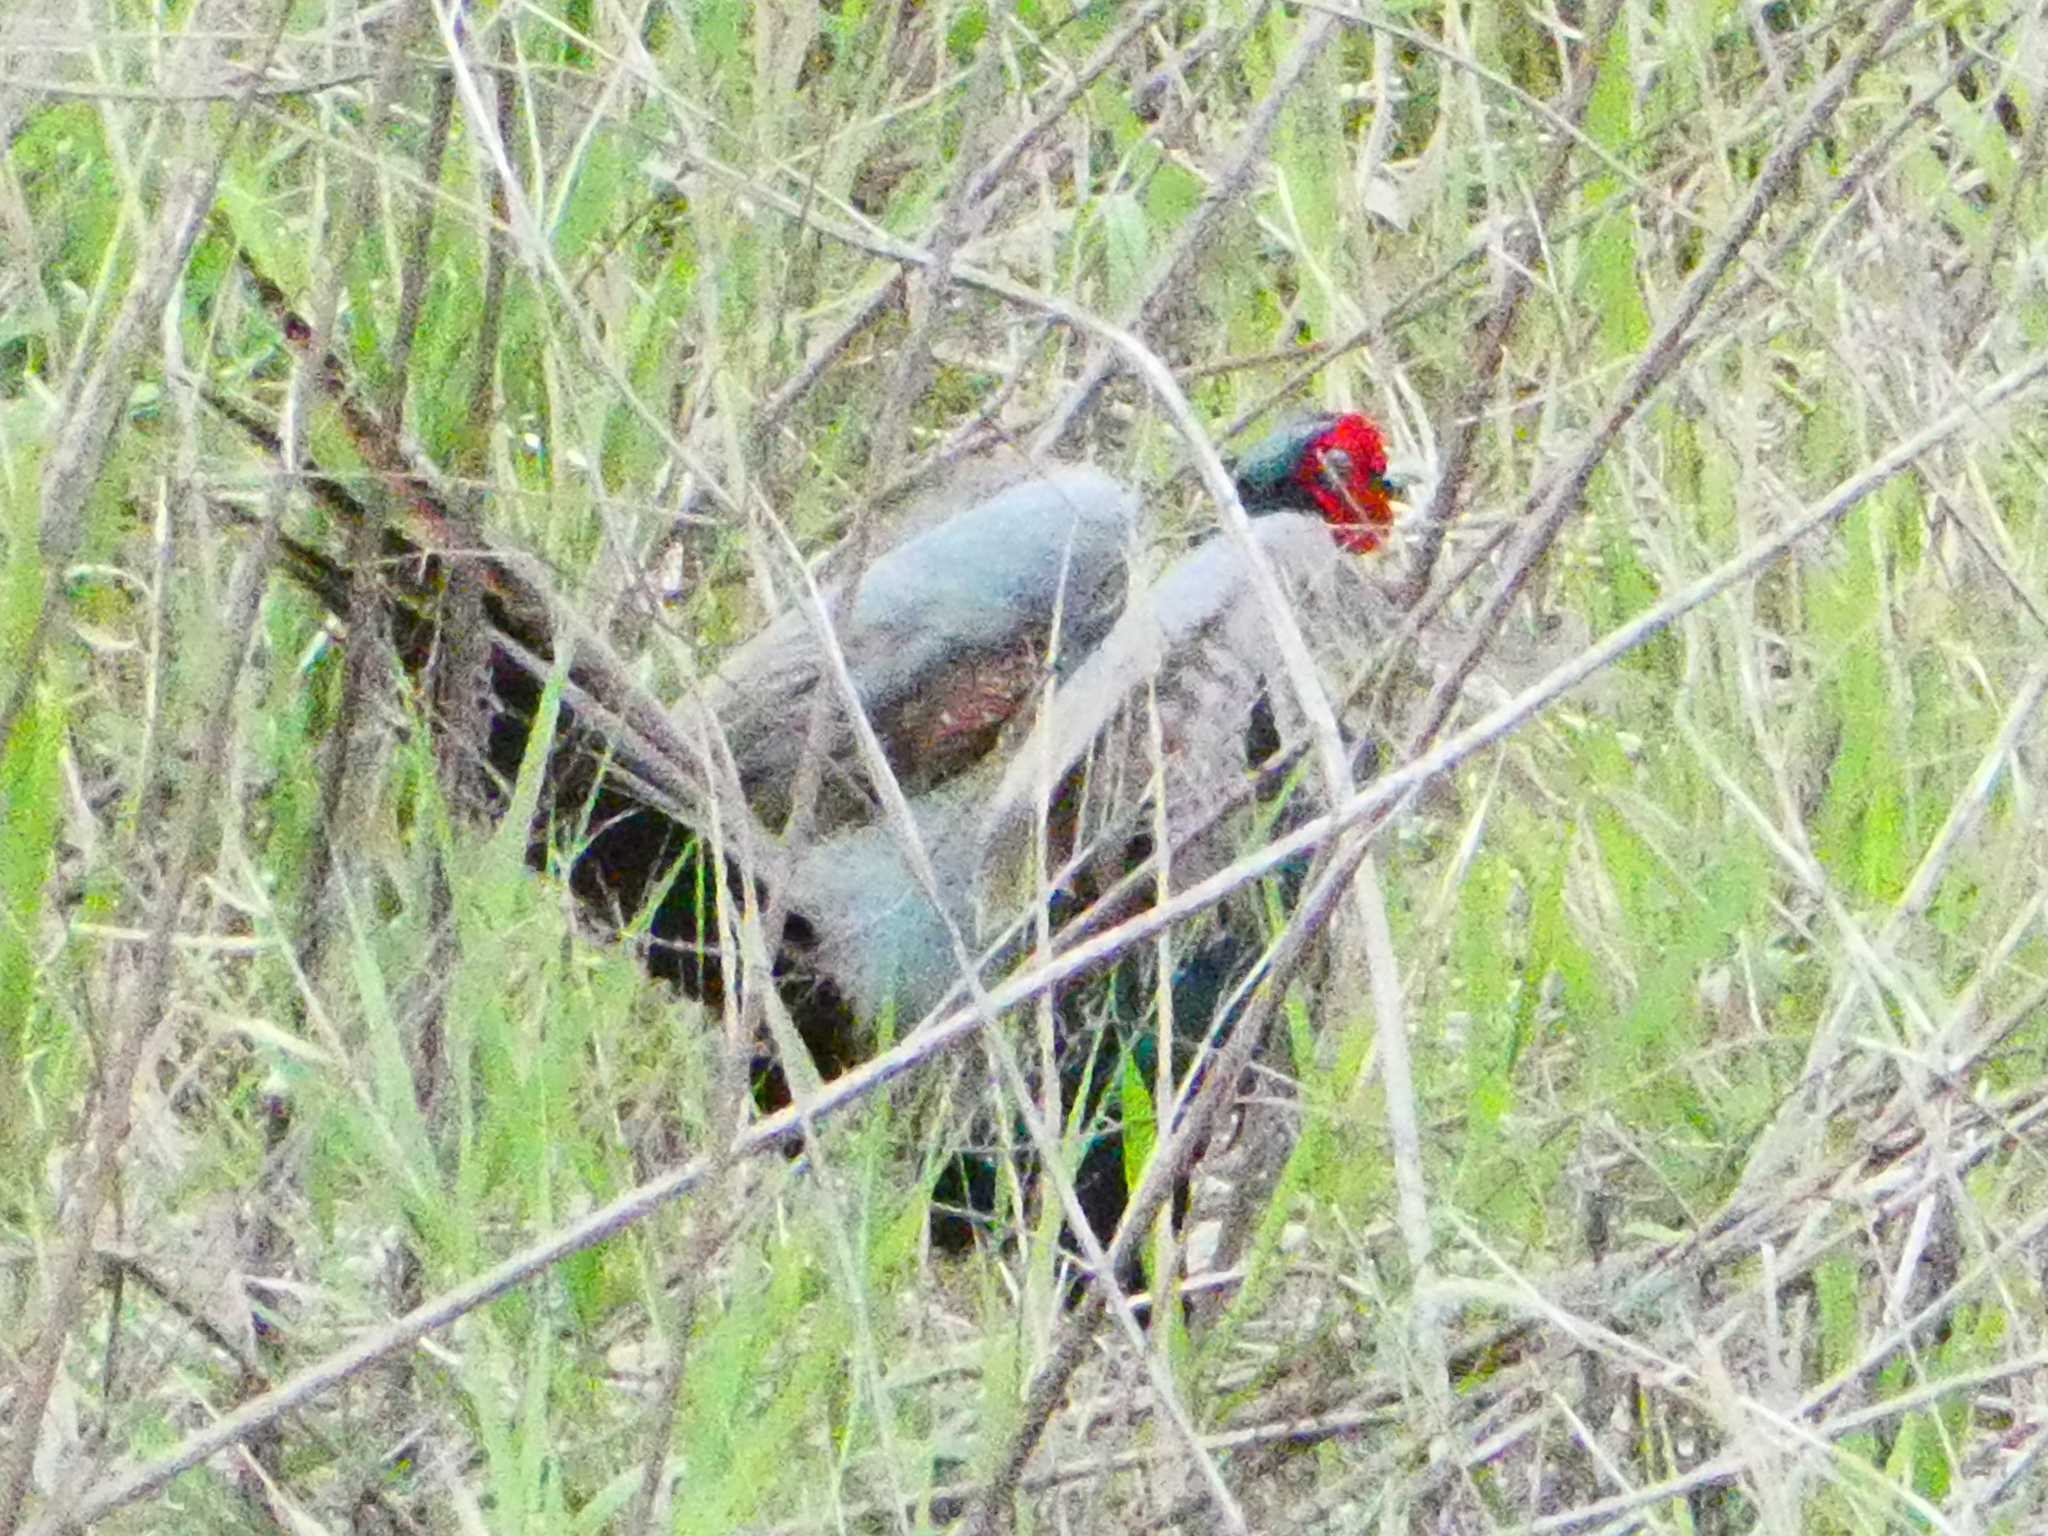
(1407, 492)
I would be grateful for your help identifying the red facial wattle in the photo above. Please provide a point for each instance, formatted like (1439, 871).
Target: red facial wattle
(1343, 470)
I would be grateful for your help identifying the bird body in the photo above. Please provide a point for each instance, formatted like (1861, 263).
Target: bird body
(947, 633)
(1197, 639)
(1192, 644)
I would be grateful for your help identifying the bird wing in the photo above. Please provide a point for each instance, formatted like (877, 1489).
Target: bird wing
(975, 586)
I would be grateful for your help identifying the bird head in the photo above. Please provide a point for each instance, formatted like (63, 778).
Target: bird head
(1329, 464)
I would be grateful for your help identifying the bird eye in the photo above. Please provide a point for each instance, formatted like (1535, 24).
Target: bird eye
(1337, 464)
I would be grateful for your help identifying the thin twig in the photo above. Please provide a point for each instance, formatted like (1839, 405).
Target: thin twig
(1516, 263)
(99, 394)
(1552, 504)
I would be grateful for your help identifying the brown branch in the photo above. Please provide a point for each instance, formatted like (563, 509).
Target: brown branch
(365, 536)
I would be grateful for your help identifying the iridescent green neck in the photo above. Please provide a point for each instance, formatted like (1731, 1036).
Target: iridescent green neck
(1266, 473)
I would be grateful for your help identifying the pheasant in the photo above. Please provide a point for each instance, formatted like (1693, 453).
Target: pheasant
(1192, 640)
(1191, 647)
(944, 637)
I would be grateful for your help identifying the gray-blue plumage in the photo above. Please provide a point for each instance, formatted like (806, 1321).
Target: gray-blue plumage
(880, 940)
(997, 570)
(979, 590)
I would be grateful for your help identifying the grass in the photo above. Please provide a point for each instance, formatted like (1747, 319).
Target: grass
(1705, 1199)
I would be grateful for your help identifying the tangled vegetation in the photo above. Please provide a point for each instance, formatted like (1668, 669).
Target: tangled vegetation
(1645, 1135)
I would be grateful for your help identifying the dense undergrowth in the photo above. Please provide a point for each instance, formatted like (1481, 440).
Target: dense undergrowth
(1708, 1200)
